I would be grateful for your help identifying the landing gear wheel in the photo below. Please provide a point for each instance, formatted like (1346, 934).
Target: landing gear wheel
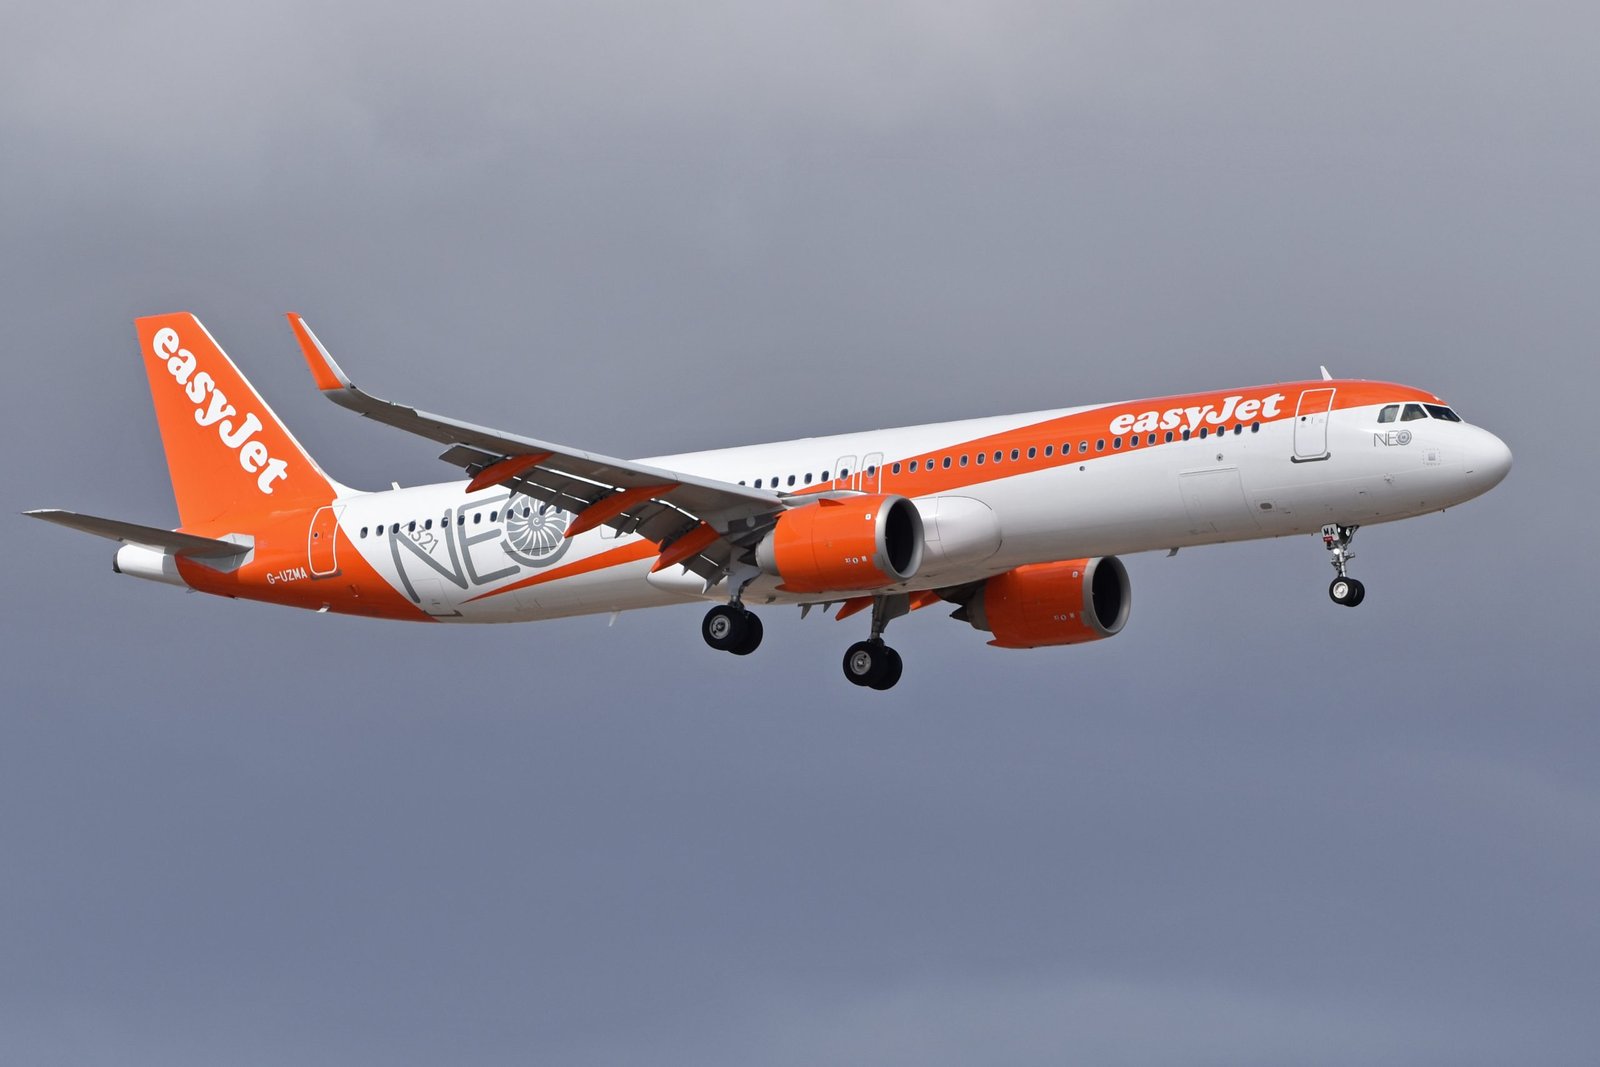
(872, 664)
(892, 669)
(726, 628)
(1347, 591)
(752, 637)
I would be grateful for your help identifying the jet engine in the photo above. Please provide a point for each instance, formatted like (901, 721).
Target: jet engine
(1062, 603)
(844, 543)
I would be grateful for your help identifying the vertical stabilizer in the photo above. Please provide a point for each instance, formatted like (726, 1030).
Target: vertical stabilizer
(230, 458)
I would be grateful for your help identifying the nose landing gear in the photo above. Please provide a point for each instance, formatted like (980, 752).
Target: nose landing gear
(1343, 589)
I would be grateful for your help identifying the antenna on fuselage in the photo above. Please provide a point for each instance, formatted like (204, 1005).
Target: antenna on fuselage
(1325, 375)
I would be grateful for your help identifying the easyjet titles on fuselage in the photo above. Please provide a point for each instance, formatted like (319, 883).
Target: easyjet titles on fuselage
(254, 456)
(1190, 418)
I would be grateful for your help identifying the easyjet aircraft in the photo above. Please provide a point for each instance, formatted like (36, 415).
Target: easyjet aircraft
(1015, 520)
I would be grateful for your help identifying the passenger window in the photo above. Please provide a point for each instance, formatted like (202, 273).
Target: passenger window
(824, 475)
(946, 463)
(963, 461)
(1255, 427)
(1169, 437)
(791, 479)
(844, 472)
(1186, 435)
(1388, 414)
(1014, 454)
(1152, 439)
(895, 468)
(1440, 412)
(1116, 443)
(1083, 446)
(1238, 428)
(1412, 413)
(913, 466)
(477, 517)
(1100, 445)
(1049, 450)
(1033, 453)
(808, 477)
(428, 525)
(872, 470)
(1202, 433)
(981, 458)
(411, 527)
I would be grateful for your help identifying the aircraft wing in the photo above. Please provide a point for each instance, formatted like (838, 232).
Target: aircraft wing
(699, 522)
(179, 544)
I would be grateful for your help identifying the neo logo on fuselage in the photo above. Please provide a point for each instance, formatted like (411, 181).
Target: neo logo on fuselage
(211, 408)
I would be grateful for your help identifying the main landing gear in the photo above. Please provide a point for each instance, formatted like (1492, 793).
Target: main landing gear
(732, 628)
(872, 663)
(1343, 589)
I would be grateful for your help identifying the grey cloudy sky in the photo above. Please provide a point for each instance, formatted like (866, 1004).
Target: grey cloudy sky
(1254, 828)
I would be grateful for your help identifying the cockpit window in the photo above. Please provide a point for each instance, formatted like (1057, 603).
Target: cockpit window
(1388, 413)
(1412, 413)
(1439, 411)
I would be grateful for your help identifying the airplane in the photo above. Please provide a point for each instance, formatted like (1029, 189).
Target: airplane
(1018, 521)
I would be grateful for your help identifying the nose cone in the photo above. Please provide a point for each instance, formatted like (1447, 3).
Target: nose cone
(1486, 462)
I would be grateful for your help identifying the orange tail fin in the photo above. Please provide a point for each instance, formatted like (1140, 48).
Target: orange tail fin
(230, 458)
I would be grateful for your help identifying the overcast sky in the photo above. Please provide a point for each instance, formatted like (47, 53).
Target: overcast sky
(1253, 829)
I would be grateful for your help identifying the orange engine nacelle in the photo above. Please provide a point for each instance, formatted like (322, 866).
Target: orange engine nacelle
(848, 543)
(1063, 603)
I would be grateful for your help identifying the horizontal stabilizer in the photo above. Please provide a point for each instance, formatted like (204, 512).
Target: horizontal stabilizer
(179, 544)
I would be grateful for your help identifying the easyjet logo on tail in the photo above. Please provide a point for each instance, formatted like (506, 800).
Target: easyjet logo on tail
(211, 408)
(1190, 418)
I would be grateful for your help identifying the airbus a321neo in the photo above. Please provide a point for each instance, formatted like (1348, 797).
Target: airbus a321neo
(1016, 520)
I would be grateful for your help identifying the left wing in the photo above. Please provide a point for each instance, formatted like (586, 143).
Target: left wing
(701, 523)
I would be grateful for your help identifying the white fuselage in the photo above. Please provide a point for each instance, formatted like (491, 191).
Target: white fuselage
(453, 553)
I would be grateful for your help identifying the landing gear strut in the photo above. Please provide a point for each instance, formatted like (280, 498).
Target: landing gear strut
(872, 663)
(732, 628)
(1343, 589)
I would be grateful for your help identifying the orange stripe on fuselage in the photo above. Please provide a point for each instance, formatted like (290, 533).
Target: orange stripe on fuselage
(615, 557)
(279, 572)
(1093, 426)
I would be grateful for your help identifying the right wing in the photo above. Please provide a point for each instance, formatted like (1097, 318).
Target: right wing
(702, 523)
(179, 544)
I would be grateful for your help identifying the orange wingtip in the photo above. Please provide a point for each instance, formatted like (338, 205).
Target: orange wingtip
(317, 358)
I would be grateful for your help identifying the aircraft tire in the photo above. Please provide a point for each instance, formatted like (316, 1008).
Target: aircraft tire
(752, 636)
(726, 627)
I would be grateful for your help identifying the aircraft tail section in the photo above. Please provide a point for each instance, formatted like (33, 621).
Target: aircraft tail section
(230, 458)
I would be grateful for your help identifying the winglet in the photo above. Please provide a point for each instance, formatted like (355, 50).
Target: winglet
(324, 370)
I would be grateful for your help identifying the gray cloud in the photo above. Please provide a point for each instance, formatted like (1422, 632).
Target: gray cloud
(1252, 828)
